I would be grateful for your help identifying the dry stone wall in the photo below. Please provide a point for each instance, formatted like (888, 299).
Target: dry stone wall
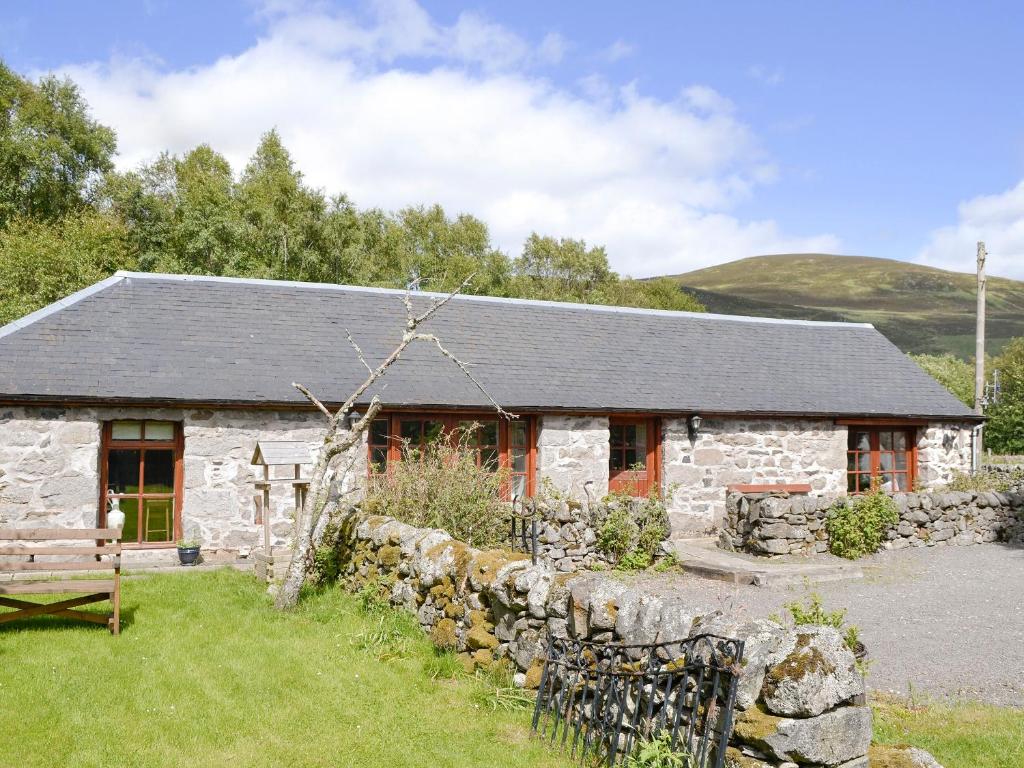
(800, 696)
(767, 524)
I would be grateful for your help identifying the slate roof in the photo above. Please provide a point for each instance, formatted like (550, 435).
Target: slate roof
(176, 339)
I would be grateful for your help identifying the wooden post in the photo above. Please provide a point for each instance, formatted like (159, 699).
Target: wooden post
(266, 511)
(979, 336)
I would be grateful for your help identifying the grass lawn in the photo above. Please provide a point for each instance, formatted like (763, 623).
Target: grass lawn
(206, 672)
(960, 736)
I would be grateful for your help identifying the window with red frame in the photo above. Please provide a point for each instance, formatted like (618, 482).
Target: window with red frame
(494, 442)
(633, 455)
(884, 456)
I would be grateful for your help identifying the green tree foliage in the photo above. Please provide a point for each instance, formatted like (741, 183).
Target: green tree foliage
(1004, 432)
(193, 214)
(50, 149)
(43, 261)
(954, 374)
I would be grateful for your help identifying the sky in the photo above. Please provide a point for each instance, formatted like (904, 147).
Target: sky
(678, 135)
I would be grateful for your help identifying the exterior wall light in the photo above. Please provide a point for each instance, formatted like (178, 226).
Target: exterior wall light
(352, 419)
(693, 426)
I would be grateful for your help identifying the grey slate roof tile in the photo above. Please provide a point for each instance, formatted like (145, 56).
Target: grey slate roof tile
(176, 339)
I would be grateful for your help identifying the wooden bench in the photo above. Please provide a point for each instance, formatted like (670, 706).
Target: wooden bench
(76, 557)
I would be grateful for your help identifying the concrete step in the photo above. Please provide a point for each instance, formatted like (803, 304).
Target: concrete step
(705, 560)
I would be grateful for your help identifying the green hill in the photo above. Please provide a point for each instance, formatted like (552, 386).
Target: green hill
(921, 309)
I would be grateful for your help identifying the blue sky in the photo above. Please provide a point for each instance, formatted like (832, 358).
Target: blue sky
(677, 134)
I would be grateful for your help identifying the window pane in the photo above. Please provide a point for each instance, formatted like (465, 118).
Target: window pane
(615, 460)
(630, 458)
(617, 437)
(900, 441)
(126, 430)
(157, 519)
(851, 483)
(489, 433)
(379, 459)
(123, 470)
(862, 441)
(902, 484)
(159, 430)
(412, 431)
(518, 457)
(864, 462)
(851, 461)
(885, 441)
(865, 482)
(130, 532)
(432, 430)
(640, 438)
(629, 435)
(379, 432)
(159, 472)
(886, 482)
(901, 461)
(489, 459)
(519, 485)
(517, 433)
(885, 460)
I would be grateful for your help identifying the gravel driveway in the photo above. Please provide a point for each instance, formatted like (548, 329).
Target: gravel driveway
(942, 622)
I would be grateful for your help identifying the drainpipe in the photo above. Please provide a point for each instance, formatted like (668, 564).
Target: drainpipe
(976, 447)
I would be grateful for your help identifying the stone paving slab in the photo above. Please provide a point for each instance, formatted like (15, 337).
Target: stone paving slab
(702, 558)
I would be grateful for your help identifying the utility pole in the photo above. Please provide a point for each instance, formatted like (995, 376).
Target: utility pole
(979, 337)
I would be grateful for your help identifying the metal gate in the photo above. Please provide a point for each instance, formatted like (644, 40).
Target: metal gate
(603, 701)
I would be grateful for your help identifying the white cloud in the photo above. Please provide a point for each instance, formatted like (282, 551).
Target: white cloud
(998, 220)
(618, 50)
(771, 77)
(398, 110)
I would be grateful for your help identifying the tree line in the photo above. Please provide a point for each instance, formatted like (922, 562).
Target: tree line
(68, 218)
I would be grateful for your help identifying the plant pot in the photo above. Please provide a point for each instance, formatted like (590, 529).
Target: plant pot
(188, 555)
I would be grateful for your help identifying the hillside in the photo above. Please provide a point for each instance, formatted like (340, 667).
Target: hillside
(920, 309)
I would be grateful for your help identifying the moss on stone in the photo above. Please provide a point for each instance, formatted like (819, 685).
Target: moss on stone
(454, 611)
(478, 637)
(803, 660)
(736, 759)
(483, 658)
(754, 725)
(389, 556)
(533, 674)
(444, 635)
(467, 662)
(444, 589)
(891, 756)
(485, 566)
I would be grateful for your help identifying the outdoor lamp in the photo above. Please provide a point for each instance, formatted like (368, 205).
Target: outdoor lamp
(693, 426)
(352, 419)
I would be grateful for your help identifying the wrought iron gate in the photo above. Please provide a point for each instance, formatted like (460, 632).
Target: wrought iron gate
(602, 701)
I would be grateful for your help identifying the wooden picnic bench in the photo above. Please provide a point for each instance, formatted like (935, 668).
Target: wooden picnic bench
(103, 553)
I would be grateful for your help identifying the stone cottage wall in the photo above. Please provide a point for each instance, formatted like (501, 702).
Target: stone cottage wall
(943, 451)
(780, 525)
(49, 468)
(800, 695)
(572, 454)
(730, 451)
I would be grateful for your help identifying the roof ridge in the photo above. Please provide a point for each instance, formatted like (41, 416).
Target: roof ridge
(67, 301)
(481, 299)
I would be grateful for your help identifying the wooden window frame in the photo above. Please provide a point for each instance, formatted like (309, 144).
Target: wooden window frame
(875, 471)
(175, 444)
(628, 480)
(450, 422)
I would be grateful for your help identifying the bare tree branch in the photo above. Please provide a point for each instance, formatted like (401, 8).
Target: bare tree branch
(312, 398)
(465, 369)
(358, 351)
(438, 303)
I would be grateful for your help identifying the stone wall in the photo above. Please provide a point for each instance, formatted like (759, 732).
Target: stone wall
(730, 451)
(49, 468)
(943, 451)
(572, 454)
(767, 524)
(800, 695)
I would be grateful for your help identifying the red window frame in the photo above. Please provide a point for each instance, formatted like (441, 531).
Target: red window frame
(176, 444)
(390, 445)
(865, 466)
(622, 478)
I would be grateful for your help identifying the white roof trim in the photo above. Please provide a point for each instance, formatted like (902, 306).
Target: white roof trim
(461, 297)
(74, 298)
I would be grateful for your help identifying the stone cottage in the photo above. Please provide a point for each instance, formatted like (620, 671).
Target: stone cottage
(154, 389)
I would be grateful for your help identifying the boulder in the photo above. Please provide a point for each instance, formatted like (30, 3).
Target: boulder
(760, 639)
(900, 756)
(810, 672)
(832, 739)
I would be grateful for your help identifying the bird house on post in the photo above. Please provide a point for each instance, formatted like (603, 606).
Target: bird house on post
(277, 453)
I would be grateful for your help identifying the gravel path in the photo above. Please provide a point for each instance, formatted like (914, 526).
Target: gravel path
(945, 622)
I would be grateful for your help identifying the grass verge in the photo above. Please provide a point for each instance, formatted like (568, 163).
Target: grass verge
(206, 672)
(966, 735)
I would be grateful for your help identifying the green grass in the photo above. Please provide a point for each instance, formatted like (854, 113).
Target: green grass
(206, 672)
(960, 736)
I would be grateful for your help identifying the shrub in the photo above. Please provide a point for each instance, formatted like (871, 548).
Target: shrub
(987, 480)
(442, 487)
(814, 613)
(857, 529)
(630, 530)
